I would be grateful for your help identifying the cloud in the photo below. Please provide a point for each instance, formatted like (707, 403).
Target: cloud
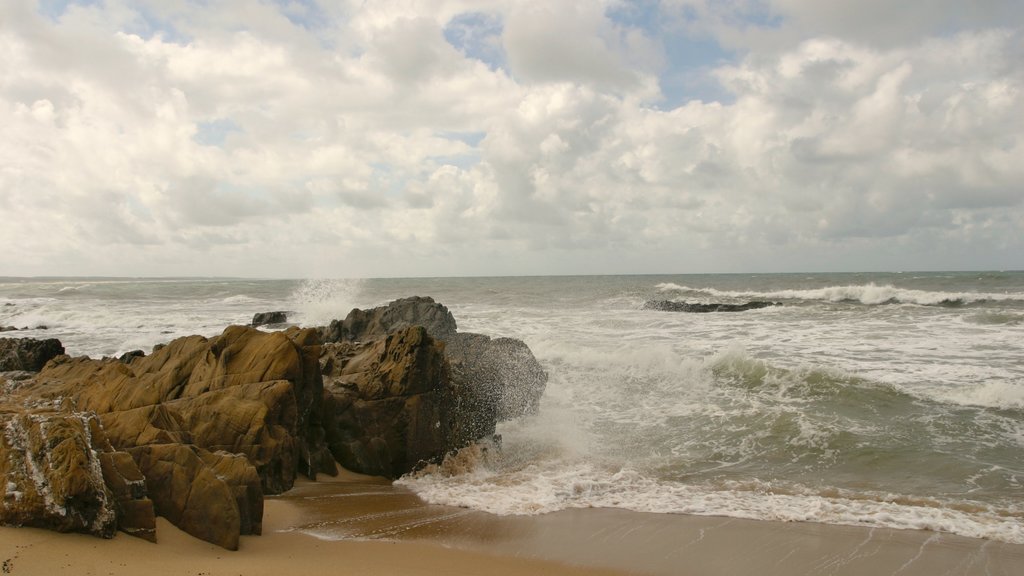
(459, 137)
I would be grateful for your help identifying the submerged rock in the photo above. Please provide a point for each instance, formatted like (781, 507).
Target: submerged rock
(696, 307)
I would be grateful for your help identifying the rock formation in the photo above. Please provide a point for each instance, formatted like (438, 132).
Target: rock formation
(696, 307)
(269, 318)
(199, 430)
(182, 414)
(362, 325)
(27, 353)
(406, 388)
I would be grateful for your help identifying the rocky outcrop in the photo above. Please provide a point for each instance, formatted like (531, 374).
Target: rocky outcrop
(696, 307)
(199, 430)
(269, 318)
(212, 424)
(377, 322)
(405, 388)
(28, 353)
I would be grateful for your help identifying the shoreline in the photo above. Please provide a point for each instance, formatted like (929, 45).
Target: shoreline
(642, 542)
(366, 525)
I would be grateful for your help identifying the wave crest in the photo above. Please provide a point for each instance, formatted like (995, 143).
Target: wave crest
(868, 294)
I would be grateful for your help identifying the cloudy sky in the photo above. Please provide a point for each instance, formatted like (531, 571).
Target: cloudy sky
(316, 138)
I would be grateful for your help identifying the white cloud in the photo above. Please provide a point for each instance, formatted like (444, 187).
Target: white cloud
(350, 140)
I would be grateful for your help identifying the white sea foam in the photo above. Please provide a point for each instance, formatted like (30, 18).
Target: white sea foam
(871, 294)
(539, 489)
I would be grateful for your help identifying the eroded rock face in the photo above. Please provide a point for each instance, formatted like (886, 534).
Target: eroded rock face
(52, 475)
(189, 493)
(211, 424)
(28, 353)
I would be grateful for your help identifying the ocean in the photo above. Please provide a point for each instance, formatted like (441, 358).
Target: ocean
(882, 400)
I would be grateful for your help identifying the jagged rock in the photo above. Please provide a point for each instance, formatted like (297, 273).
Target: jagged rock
(402, 313)
(52, 476)
(249, 393)
(265, 318)
(28, 353)
(502, 368)
(8, 328)
(672, 306)
(201, 428)
(385, 402)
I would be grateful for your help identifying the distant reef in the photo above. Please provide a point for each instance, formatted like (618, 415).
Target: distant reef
(696, 307)
(202, 428)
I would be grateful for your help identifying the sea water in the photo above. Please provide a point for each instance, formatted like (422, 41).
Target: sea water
(890, 400)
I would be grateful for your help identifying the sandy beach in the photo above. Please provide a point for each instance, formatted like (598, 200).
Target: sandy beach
(363, 525)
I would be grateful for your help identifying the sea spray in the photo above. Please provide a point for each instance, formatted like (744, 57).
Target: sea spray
(317, 302)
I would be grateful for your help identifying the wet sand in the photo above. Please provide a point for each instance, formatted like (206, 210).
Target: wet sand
(362, 525)
(642, 543)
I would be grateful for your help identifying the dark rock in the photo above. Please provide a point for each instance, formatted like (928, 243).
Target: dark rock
(454, 387)
(385, 401)
(672, 306)
(502, 371)
(8, 329)
(381, 321)
(127, 357)
(265, 318)
(28, 353)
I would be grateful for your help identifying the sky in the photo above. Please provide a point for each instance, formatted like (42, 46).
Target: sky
(384, 138)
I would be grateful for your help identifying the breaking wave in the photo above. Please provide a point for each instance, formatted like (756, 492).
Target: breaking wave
(869, 294)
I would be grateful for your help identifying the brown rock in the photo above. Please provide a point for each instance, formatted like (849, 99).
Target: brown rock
(52, 475)
(188, 492)
(229, 417)
(127, 485)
